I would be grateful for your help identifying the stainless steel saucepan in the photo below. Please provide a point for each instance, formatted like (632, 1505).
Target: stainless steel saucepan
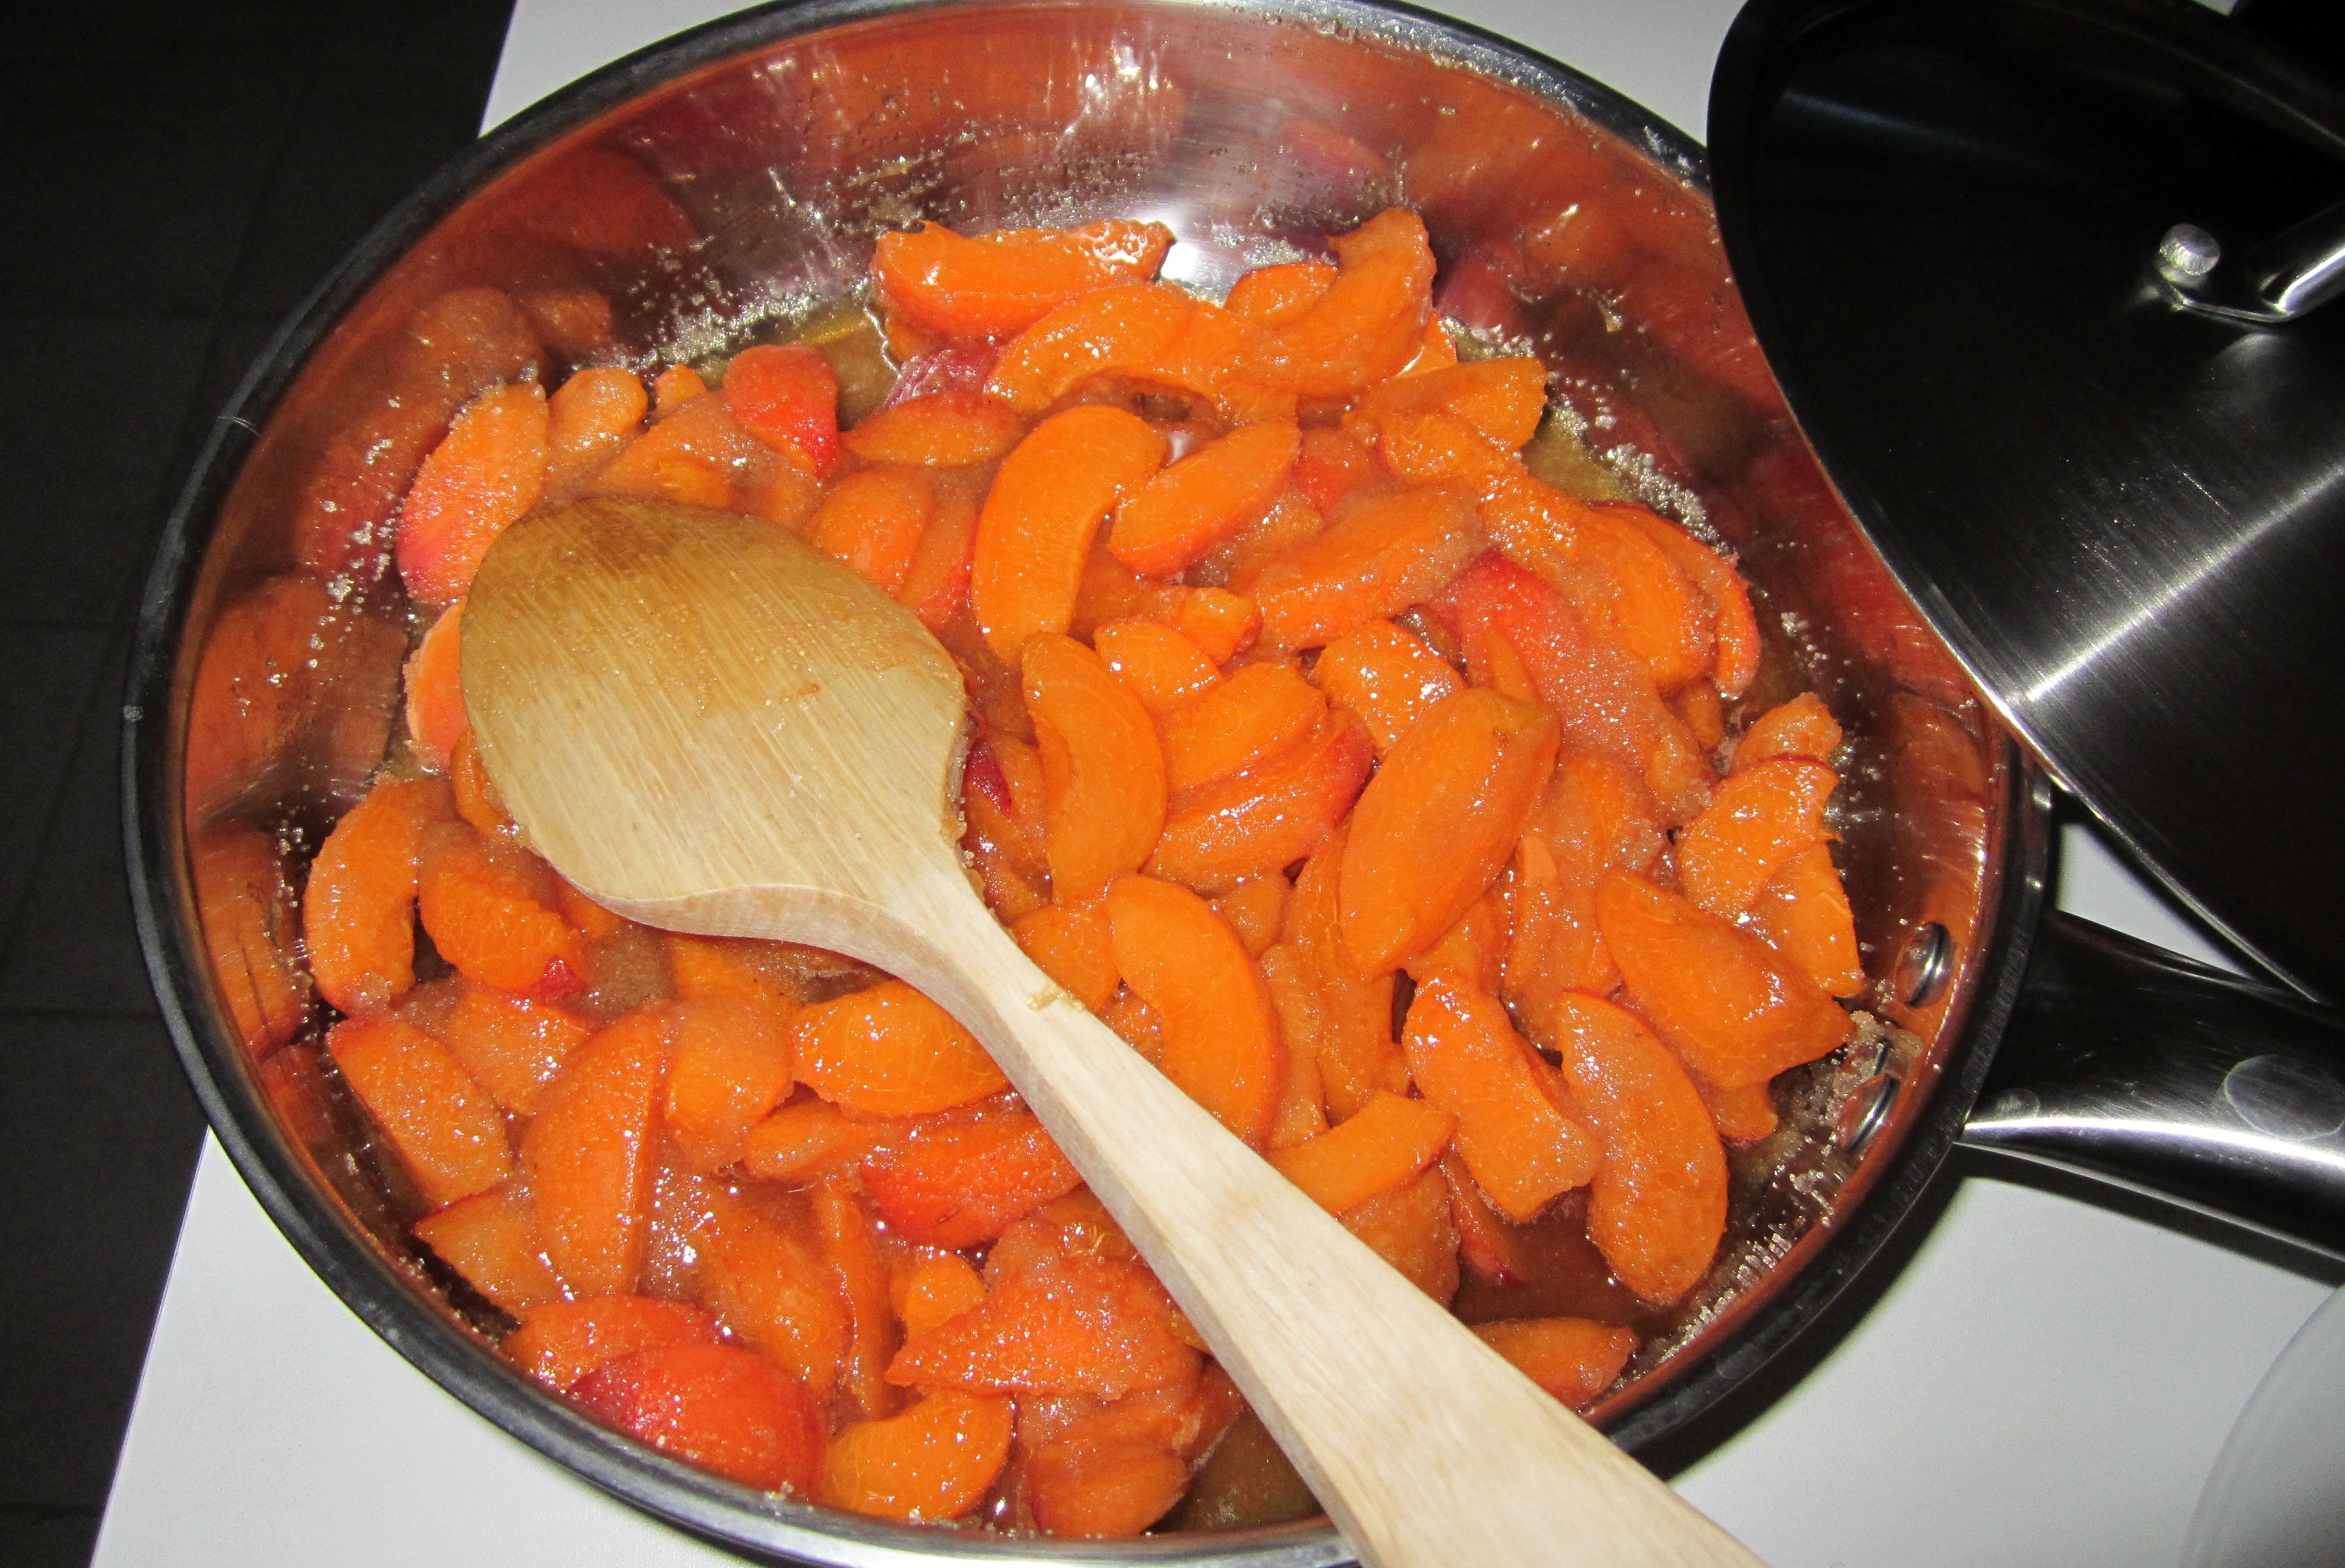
(731, 180)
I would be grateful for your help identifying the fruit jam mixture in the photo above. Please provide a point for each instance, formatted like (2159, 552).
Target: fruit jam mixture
(1405, 809)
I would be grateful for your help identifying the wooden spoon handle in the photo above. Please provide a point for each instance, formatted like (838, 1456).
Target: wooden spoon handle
(1425, 1446)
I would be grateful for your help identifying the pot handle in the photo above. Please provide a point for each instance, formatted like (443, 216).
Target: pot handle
(2129, 1063)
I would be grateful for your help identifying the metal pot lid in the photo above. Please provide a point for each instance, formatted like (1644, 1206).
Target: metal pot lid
(2128, 516)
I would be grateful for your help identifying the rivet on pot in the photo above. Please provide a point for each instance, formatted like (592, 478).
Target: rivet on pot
(1923, 967)
(1866, 1112)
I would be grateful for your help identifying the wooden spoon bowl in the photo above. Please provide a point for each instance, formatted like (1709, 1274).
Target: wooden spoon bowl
(709, 727)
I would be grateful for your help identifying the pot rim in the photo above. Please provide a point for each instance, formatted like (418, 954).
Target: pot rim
(330, 1239)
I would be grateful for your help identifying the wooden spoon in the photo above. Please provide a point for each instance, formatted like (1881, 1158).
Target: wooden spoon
(709, 727)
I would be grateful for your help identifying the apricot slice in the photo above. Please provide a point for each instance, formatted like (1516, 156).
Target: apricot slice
(872, 523)
(850, 1246)
(1803, 913)
(1070, 944)
(516, 1048)
(559, 1342)
(1103, 768)
(1253, 716)
(435, 694)
(589, 417)
(1596, 816)
(936, 582)
(959, 1182)
(993, 284)
(1334, 463)
(358, 916)
(1388, 1142)
(1629, 591)
(590, 1153)
(445, 1129)
(1219, 1029)
(1269, 296)
(1048, 500)
(1734, 1008)
(1410, 1228)
(1803, 727)
(1381, 553)
(811, 1138)
(1517, 1132)
(1737, 624)
(731, 1411)
(1571, 1358)
(941, 430)
(1760, 818)
(1744, 1115)
(1098, 1480)
(1473, 951)
(731, 1066)
(936, 1460)
(1657, 1208)
(889, 1051)
(1160, 666)
(1126, 327)
(1079, 1325)
(490, 1238)
(787, 395)
(489, 909)
(768, 1284)
(1349, 1014)
(1502, 399)
(1262, 819)
(1368, 324)
(939, 1287)
(486, 471)
(1438, 820)
(1389, 677)
(246, 910)
(1222, 623)
(1168, 523)
(1255, 909)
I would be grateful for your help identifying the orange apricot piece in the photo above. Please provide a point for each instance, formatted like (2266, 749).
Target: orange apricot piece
(936, 580)
(1301, 1113)
(767, 1283)
(1516, 1131)
(1389, 677)
(1332, 465)
(1385, 1143)
(733, 966)
(1102, 767)
(1187, 508)
(939, 1287)
(247, 911)
(486, 471)
(1272, 296)
(1657, 1208)
(1070, 944)
(1502, 399)
(1605, 701)
(559, 1342)
(1596, 816)
(1127, 327)
(1737, 1011)
(1704, 712)
(489, 909)
(674, 387)
(1485, 1243)
(445, 1129)
(872, 523)
(696, 453)
(1803, 913)
(1410, 1228)
(1091, 1484)
(810, 1140)
(1255, 908)
(589, 417)
(1803, 727)
(358, 913)
(959, 1181)
(1436, 350)
(1220, 1030)
(889, 1051)
(1048, 500)
(1268, 817)
(938, 430)
(1160, 666)
(435, 691)
(477, 801)
(1630, 591)
(1437, 821)
(1093, 1326)
(994, 285)
(1368, 324)
(730, 1068)
(516, 1048)
(731, 1411)
(492, 1239)
(1742, 1115)
(1573, 1359)
(850, 1247)
(1473, 951)
(590, 1154)
(1760, 818)
(1222, 623)
(934, 1461)
(1380, 554)
(787, 395)
(1349, 1014)
(1254, 715)
(1737, 624)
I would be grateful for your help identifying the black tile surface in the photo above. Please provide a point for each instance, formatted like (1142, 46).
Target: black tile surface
(179, 177)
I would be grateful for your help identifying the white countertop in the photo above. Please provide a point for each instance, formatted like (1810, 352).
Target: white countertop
(2045, 1382)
